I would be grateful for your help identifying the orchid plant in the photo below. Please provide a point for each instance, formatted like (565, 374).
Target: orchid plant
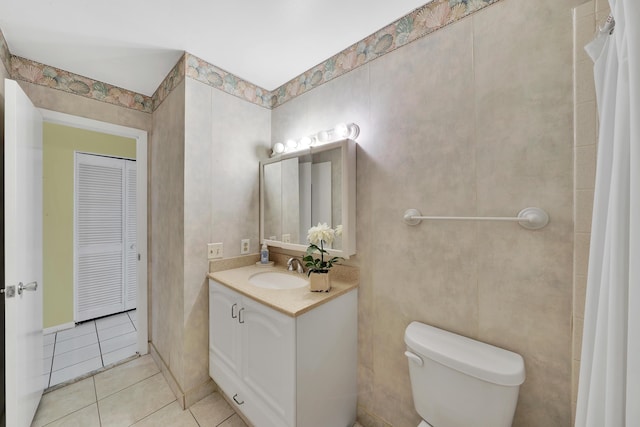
(318, 236)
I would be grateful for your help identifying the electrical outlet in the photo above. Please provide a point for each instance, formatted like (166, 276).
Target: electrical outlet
(214, 250)
(286, 238)
(244, 246)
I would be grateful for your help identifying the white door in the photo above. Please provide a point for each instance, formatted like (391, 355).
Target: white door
(131, 249)
(105, 236)
(23, 256)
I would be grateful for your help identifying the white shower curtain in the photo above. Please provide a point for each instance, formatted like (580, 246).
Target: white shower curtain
(609, 390)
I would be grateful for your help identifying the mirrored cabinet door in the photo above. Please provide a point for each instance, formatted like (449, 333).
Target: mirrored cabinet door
(301, 189)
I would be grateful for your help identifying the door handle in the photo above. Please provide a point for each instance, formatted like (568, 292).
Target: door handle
(33, 286)
(240, 319)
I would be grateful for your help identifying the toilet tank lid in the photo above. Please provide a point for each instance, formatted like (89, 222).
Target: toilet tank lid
(484, 361)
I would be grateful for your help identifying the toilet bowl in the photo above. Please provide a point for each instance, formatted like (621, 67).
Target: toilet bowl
(460, 382)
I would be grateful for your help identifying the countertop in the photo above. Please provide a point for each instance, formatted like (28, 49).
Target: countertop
(292, 302)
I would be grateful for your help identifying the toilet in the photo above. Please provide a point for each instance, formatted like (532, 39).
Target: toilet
(460, 382)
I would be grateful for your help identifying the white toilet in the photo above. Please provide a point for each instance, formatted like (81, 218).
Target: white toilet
(460, 382)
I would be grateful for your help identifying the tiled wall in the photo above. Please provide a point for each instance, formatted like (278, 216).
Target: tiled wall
(586, 18)
(475, 119)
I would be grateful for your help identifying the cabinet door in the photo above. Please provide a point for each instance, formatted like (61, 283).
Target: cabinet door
(224, 342)
(268, 359)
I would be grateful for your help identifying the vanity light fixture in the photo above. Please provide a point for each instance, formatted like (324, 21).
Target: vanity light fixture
(340, 131)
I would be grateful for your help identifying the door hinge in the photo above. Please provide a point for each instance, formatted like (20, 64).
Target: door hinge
(9, 291)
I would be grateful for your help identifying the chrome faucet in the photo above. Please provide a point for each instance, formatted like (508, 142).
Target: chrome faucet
(290, 263)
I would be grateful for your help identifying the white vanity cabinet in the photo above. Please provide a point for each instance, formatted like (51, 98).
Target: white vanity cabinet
(282, 370)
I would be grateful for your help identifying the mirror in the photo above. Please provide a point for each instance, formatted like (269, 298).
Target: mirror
(301, 189)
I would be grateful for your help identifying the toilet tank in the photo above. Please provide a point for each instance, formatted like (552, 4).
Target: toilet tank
(460, 382)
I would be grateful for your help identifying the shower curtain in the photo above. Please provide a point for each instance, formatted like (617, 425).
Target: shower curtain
(609, 389)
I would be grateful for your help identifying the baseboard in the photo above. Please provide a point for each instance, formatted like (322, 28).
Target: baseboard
(52, 329)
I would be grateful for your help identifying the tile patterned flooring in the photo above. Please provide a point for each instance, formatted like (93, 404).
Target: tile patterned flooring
(132, 394)
(89, 346)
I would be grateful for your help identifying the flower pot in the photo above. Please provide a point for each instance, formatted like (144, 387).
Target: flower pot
(319, 281)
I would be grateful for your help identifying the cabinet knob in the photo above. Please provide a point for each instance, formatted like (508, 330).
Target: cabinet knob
(235, 399)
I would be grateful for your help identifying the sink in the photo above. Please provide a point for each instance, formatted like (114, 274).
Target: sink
(277, 280)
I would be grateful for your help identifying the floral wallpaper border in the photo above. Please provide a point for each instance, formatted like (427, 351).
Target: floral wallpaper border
(5, 55)
(45, 75)
(422, 21)
(419, 23)
(173, 79)
(200, 70)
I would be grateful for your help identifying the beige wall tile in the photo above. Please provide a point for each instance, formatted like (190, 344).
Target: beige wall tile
(581, 253)
(579, 298)
(584, 32)
(167, 230)
(585, 9)
(578, 326)
(584, 84)
(586, 119)
(425, 145)
(584, 211)
(585, 167)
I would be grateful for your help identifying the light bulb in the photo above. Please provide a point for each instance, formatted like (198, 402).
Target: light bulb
(306, 142)
(278, 148)
(324, 136)
(341, 130)
(291, 144)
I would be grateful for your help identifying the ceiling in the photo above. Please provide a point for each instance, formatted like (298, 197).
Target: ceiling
(133, 44)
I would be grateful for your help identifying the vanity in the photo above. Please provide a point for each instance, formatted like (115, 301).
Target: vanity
(284, 357)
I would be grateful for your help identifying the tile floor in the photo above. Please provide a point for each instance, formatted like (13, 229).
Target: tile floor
(89, 346)
(132, 394)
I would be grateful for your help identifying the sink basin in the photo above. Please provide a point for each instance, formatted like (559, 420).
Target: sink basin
(276, 280)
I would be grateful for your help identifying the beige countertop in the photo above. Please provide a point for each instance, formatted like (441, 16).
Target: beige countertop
(292, 302)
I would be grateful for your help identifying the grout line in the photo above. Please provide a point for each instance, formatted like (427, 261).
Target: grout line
(159, 409)
(99, 346)
(131, 385)
(95, 390)
(53, 355)
(225, 420)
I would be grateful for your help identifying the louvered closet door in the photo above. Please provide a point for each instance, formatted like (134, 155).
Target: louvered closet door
(101, 264)
(130, 233)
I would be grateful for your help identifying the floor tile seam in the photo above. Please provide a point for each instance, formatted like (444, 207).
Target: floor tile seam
(75, 349)
(117, 336)
(147, 416)
(69, 413)
(225, 420)
(99, 347)
(75, 363)
(119, 348)
(53, 354)
(115, 324)
(103, 342)
(62, 339)
(57, 371)
(95, 394)
(129, 386)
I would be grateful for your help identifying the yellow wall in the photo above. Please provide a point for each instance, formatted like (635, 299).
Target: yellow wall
(60, 144)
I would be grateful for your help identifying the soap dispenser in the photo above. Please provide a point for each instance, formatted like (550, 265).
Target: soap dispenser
(264, 254)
